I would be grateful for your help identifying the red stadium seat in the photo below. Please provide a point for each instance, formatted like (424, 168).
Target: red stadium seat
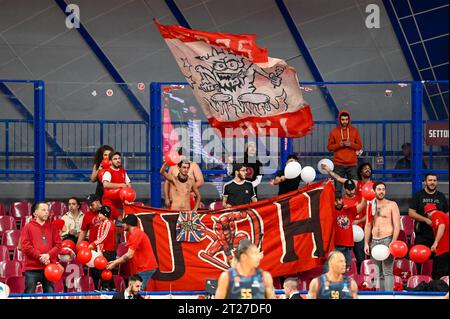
(302, 285)
(2, 210)
(59, 286)
(11, 239)
(10, 268)
(25, 220)
(402, 236)
(4, 253)
(414, 281)
(427, 268)
(407, 268)
(18, 255)
(407, 225)
(82, 284)
(16, 284)
(368, 268)
(57, 208)
(445, 278)
(412, 239)
(352, 270)
(7, 223)
(20, 209)
(119, 282)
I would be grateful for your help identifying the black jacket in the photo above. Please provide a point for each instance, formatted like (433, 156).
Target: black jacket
(121, 295)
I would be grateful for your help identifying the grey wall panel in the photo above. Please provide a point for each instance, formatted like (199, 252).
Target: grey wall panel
(37, 30)
(130, 15)
(226, 12)
(14, 12)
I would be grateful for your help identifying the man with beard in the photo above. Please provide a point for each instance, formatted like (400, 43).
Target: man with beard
(343, 239)
(364, 173)
(382, 227)
(429, 194)
(181, 187)
(132, 292)
(238, 191)
(344, 141)
(113, 180)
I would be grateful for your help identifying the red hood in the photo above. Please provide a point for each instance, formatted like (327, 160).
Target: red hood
(349, 118)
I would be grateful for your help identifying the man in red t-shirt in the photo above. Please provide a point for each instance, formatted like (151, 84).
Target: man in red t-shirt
(343, 238)
(140, 251)
(352, 199)
(439, 222)
(113, 180)
(91, 222)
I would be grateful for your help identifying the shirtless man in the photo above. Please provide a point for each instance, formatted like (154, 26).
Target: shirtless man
(383, 225)
(181, 187)
(194, 172)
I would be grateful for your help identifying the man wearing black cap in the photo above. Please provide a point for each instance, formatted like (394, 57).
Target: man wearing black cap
(90, 226)
(140, 251)
(345, 215)
(91, 221)
(350, 199)
(238, 191)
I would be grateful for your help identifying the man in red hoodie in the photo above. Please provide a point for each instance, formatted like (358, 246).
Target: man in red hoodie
(41, 243)
(344, 141)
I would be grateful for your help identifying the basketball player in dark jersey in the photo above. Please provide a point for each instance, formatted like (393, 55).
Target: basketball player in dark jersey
(245, 280)
(334, 284)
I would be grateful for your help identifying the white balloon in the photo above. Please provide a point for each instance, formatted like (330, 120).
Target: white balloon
(308, 174)
(327, 162)
(292, 170)
(95, 254)
(380, 252)
(358, 233)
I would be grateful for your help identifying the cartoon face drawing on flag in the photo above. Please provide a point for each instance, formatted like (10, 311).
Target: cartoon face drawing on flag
(237, 84)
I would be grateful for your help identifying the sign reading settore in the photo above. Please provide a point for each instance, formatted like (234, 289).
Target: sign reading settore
(436, 133)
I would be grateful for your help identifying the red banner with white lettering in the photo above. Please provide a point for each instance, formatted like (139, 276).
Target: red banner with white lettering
(237, 85)
(295, 232)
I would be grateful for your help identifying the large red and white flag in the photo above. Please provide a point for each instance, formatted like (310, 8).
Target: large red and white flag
(237, 84)
(295, 231)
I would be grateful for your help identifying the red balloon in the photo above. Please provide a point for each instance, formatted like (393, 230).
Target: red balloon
(172, 158)
(192, 202)
(84, 255)
(398, 249)
(100, 262)
(105, 164)
(68, 243)
(127, 194)
(81, 245)
(419, 253)
(367, 191)
(112, 193)
(53, 272)
(106, 274)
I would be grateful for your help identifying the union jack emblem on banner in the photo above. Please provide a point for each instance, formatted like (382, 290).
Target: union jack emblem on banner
(187, 227)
